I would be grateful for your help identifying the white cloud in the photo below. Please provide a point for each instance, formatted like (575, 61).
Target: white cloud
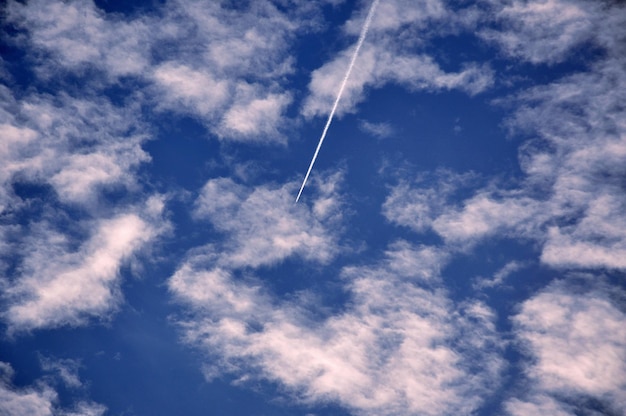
(259, 116)
(542, 30)
(66, 369)
(39, 400)
(77, 35)
(537, 405)
(390, 55)
(232, 72)
(195, 90)
(263, 226)
(379, 63)
(400, 346)
(571, 199)
(417, 204)
(58, 285)
(576, 341)
(73, 148)
(500, 275)
(378, 130)
(77, 145)
(226, 66)
(484, 215)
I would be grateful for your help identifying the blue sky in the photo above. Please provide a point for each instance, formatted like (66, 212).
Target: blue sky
(459, 248)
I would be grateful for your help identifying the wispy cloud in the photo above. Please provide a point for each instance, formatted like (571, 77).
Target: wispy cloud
(542, 31)
(262, 226)
(38, 400)
(389, 57)
(60, 286)
(398, 347)
(576, 342)
(571, 199)
(500, 275)
(70, 150)
(66, 369)
(378, 130)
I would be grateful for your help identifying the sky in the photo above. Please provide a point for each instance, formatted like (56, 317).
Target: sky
(459, 247)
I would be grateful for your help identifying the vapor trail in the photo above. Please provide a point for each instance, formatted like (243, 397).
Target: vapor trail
(364, 29)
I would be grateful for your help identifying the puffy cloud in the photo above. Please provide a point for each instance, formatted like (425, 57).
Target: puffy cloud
(76, 145)
(379, 63)
(76, 148)
(389, 55)
(537, 405)
(542, 31)
(40, 400)
(571, 198)
(58, 285)
(230, 73)
(263, 226)
(76, 35)
(400, 346)
(576, 341)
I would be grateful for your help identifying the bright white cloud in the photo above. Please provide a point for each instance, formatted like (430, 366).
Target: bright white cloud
(537, 405)
(75, 148)
(577, 343)
(76, 145)
(192, 89)
(263, 226)
(542, 31)
(39, 400)
(78, 36)
(61, 286)
(379, 63)
(399, 347)
(389, 55)
(416, 205)
(571, 199)
(231, 71)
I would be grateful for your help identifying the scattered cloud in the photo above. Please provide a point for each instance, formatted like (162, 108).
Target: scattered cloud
(542, 31)
(499, 276)
(76, 208)
(399, 346)
(38, 400)
(66, 369)
(571, 199)
(60, 286)
(378, 130)
(262, 225)
(78, 146)
(76, 36)
(576, 342)
(389, 55)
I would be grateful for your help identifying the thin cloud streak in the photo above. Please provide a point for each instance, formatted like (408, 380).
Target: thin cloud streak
(364, 30)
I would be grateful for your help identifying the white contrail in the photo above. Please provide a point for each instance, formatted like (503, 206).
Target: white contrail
(364, 30)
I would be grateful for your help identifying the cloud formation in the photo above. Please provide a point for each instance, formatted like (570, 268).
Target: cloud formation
(58, 286)
(577, 346)
(571, 199)
(38, 400)
(390, 56)
(62, 154)
(399, 346)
